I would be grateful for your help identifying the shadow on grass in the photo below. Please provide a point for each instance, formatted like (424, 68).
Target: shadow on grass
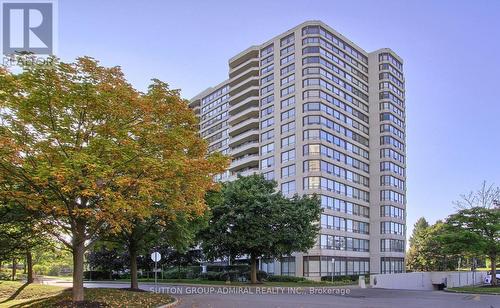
(62, 300)
(15, 294)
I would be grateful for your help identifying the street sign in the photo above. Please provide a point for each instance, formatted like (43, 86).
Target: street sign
(156, 256)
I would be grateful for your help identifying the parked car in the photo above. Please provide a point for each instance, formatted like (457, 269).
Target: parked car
(487, 279)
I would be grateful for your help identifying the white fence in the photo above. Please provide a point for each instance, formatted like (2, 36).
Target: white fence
(426, 280)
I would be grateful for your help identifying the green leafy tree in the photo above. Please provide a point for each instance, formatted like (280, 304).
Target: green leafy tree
(89, 152)
(413, 257)
(249, 217)
(475, 230)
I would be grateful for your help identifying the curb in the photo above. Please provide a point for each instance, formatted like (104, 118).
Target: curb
(172, 304)
(468, 292)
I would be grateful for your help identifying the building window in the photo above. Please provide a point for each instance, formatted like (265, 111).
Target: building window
(287, 266)
(288, 102)
(288, 90)
(268, 148)
(267, 122)
(288, 114)
(269, 175)
(391, 265)
(288, 141)
(287, 69)
(267, 163)
(287, 59)
(267, 135)
(288, 171)
(288, 127)
(288, 188)
(287, 156)
(318, 266)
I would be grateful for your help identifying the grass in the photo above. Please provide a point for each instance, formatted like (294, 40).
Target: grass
(15, 294)
(308, 283)
(478, 289)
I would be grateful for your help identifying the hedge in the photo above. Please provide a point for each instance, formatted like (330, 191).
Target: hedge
(280, 278)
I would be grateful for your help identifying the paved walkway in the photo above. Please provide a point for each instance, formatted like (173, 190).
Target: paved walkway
(243, 297)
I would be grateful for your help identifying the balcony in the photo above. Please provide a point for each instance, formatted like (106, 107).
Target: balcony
(252, 123)
(245, 172)
(249, 102)
(245, 83)
(249, 135)
(252, 71)
(244, 114)
(244, 94)
(245, 161)
(243, 57)
(249, 147)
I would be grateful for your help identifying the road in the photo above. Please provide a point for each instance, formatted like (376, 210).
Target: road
(243, 297)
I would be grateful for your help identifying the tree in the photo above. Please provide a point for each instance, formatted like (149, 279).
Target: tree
(487, 196)
(250, 218)
(89, 151)
(413, 260)
(20, 234)
(475, 230)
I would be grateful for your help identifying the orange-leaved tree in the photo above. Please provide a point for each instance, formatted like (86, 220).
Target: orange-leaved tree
(90, 151)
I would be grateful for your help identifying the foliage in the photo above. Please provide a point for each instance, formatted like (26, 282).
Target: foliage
(36, 295)
(250, 218)
(280, 278)
(81, 146)
(344, 279)
(474, 230)
(427, 251)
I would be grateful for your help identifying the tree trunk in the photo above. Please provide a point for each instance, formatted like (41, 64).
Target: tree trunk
(493, 259)
(78, 256)
(14, 268)
(29, 262)
(132, 250)
(253, 268)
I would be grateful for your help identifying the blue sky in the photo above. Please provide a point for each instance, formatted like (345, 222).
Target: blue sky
(450, 48)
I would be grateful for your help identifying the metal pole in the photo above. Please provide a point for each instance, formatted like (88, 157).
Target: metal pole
(156, 275)
(333, 268)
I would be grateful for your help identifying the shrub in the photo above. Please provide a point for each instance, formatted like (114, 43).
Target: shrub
(347, 278)
(97, 275)
(280, 278)
(261, 275)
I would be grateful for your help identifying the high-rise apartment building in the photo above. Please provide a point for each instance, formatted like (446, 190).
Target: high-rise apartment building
(318, 114)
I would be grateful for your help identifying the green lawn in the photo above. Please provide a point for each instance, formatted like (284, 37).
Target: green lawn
(481, 289)
(15, 294)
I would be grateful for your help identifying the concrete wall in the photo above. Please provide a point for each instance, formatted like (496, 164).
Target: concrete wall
(425, 280)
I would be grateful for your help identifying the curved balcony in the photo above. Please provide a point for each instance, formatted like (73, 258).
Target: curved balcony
(252, 71)
(244, 94)
(244, 114)
(246, 172)
(252, 123)
(245, 161)
(249, 147)
(243, 57)
(245, 83)
(249, 102)
(249, 135)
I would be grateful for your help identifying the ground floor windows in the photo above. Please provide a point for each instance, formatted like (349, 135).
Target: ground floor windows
(288, 266)
(267, 265)
(323, 266)
(391, 265)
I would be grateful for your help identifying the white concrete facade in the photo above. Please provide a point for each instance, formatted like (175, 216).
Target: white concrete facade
(426, 280)
(318, 114)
